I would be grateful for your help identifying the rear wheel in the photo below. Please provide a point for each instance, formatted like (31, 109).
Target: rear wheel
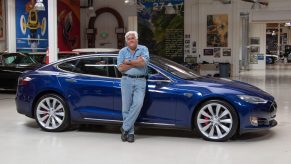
(51, 113)
(216, 120)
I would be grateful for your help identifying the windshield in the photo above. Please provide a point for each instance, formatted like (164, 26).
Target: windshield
(174, 68)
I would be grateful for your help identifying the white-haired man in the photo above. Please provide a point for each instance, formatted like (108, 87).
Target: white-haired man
(132, 61)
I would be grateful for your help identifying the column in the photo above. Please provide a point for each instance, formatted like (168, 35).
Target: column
(52, 30)
(11, 26)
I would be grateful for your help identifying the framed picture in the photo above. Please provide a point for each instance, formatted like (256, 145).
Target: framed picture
(2, 20)
(226, 52)
(217, 30)
(216, 52)
(208, 52)
(253, 59)
(255, 49)
(255, 40)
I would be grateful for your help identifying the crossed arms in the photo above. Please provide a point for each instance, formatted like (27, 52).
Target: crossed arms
(126, 65)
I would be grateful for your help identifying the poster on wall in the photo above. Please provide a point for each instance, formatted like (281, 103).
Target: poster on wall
(161, 27)
(68, 24)
(208, 52)
(2, 20)
(217, 30)
(216, 52)
(226, 51)
(253, 58)
(31, 26)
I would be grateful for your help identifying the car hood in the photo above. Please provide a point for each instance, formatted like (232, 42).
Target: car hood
(223, 85)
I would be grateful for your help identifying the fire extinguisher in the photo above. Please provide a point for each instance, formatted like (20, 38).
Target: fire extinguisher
(47, 56)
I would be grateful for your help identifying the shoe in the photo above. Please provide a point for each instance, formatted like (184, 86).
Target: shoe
(130, 138)
(123, 135)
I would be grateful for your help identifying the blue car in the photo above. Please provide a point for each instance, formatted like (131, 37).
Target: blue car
(86, 89)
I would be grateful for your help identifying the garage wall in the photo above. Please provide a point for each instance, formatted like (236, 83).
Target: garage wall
(106, 22)
(195, 16)
(2, 45)
(258, 30)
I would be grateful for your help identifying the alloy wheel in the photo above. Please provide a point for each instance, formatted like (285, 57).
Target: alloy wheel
(214, 121)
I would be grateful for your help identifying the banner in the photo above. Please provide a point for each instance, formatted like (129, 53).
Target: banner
(31, 26)
(68, 25)
(161, 27)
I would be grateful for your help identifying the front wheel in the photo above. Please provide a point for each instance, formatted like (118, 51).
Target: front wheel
(51, 113)
(216, 120)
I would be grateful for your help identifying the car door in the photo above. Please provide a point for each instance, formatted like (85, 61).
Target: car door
(89, 86)
(159, 103)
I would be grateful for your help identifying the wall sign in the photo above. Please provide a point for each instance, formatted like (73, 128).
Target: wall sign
(161, 27)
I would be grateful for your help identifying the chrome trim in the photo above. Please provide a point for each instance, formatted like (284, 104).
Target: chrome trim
(167, 81)
(162, 124)
(106, 120)
(56, 65)
(119, 121)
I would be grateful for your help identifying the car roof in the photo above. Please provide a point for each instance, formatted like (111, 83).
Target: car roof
(61, 52)
(96, 50)
(13, 53)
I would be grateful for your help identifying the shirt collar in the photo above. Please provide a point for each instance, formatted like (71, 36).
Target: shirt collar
(137, 48)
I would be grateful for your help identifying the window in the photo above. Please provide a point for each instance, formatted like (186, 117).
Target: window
(155, 75)
(99, 66)
(69, 66)
(174, 68)
(18, 59)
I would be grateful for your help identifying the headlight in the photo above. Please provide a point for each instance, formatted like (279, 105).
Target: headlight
(252, 99)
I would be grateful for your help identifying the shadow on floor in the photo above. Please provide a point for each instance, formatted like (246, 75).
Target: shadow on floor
(143, 133)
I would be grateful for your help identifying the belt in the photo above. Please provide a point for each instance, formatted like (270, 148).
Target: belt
(135, 76)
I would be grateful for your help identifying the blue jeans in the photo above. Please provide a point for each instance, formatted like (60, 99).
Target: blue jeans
(133, 93)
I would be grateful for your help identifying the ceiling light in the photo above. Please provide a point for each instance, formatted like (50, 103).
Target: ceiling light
(288, 24)
(273, 33)
(129, 2)
(39, 6)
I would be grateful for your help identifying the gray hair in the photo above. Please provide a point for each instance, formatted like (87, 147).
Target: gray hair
(131, 33)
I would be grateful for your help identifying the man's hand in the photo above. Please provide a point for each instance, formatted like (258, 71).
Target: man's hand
(139, 62)
(126, 62)
(124, 67)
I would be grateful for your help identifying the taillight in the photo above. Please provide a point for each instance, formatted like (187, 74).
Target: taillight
(24, 81)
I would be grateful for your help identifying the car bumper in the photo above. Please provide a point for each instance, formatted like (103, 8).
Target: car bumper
(255, 117)
(24, 102)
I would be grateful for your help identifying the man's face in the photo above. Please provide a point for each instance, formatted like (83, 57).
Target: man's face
(131, 41)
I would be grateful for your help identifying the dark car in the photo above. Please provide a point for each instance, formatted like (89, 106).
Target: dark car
(40, 57)
(11, 66)
(87, 89)
(271, 59)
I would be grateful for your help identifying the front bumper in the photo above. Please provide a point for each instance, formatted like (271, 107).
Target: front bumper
(255, 117)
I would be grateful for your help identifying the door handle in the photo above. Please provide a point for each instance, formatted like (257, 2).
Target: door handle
(71, 80)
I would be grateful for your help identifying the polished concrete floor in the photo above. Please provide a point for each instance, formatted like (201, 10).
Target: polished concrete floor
(21, 141)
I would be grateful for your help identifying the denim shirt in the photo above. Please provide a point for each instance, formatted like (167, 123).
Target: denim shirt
(142, 51)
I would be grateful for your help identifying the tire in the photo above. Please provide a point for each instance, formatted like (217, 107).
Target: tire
(51, 113)
(216, 120)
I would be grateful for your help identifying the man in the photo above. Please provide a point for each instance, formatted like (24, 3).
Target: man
(132, 62)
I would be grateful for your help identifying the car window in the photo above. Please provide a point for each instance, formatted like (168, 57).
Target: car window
(69, 66)
(99, 66)
(153, 74)
(18, 59)
(40, 58)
